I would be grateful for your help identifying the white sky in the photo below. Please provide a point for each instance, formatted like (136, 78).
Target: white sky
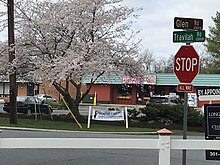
(157, 21)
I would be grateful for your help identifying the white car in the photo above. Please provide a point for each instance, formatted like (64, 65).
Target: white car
(171, 100)
(45, 98)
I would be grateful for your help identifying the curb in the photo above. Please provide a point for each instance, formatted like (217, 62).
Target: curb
(112, 105)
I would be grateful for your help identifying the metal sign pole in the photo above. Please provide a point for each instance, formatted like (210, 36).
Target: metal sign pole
(185, 113)
(184, 74)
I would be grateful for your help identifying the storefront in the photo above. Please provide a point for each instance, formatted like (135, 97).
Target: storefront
(137, 90)
(124, 89)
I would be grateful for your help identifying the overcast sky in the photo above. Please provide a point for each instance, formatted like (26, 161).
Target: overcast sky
(157, 21)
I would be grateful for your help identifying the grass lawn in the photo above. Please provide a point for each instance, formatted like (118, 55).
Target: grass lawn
(70, 126)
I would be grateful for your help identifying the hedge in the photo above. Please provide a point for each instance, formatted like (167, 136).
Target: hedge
(171, 113)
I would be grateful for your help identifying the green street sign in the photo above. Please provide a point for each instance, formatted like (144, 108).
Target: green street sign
(189, 36)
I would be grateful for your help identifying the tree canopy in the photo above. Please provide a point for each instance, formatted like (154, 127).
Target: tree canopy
(71, 38)
(68, 39)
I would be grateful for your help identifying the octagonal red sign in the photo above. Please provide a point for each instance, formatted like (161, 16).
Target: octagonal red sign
(186, 64)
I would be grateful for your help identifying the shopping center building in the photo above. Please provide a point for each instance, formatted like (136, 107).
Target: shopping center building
(125, 89)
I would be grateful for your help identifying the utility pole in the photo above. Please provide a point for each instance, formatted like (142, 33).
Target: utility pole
(12, 76)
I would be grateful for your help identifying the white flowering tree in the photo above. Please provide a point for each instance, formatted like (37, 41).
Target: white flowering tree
(68, 39)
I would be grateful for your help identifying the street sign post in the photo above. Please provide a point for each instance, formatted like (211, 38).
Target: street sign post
(186, 64)
(188, 23)
(186, 61)
(189, 36)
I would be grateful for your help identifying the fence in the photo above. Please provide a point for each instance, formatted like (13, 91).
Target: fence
(164, 144)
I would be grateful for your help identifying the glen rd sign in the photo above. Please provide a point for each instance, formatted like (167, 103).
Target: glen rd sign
(186, 64)
(189, 36)
(188, 23)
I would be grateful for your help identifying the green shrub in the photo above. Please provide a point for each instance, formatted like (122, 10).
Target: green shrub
(174, 113)
(58, 105)
(195, 118)
(133, 113)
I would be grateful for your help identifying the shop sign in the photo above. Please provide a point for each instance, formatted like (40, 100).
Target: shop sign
(212, 122)
(150, 79)
(212, 93)
(132, 80)
(208, 91)
(212, 128)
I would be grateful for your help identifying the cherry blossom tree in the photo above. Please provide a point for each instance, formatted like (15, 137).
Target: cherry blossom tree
(3, 60)
(69, 39)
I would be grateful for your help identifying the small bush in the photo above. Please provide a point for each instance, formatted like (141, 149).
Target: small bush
(58, 105)
(133, 113)
(174, 113)
(195, 118)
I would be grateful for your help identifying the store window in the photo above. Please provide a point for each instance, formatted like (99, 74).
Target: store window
(124, 91)
(30, 89)
(144, 92)
(4, 89)
(173, 89)
(160, 90)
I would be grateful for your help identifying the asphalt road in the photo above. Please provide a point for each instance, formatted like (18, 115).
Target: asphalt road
(83, 110)
(90, 156)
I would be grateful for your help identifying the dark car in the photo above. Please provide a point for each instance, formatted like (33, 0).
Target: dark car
(28, 105)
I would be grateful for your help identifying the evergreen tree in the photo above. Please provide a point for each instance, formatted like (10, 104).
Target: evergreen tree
(213, 44)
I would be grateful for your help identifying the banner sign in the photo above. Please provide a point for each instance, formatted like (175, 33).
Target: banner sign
(107, 115)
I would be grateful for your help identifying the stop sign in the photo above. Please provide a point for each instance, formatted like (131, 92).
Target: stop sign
(186, 64)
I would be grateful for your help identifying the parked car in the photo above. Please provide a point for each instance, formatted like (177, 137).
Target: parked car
(171, 100)
(45, 98)
(28, 105)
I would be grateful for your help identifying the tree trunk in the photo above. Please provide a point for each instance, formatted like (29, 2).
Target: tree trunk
(73, 104)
